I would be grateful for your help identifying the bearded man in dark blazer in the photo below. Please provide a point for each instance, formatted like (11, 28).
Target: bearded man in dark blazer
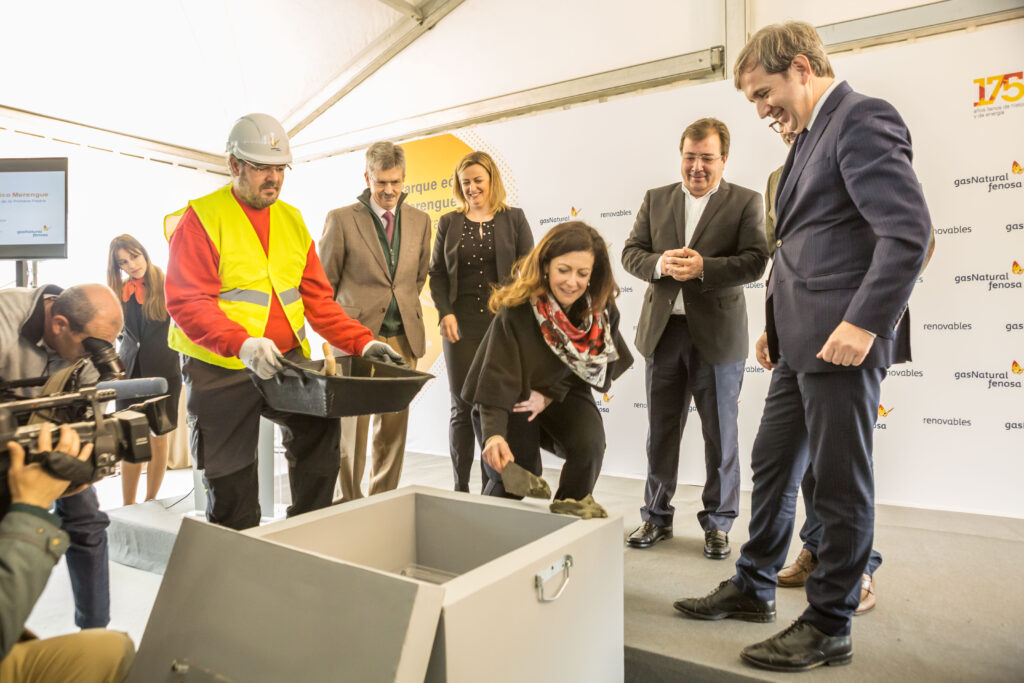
(850, 239)
(697, 243)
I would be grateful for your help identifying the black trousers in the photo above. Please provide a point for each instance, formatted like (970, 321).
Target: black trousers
(224, 409)
(676, 374)
(464, 424)
(810, 532)
(826, 421)
(571, 429)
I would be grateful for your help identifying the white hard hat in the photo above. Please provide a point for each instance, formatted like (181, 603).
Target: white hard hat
(261, 139)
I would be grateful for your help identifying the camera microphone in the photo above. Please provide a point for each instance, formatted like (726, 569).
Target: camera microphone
(128, 389)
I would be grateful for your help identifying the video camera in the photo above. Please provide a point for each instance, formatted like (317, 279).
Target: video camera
(122, 435)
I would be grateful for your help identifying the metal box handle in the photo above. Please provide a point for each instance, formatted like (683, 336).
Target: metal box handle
(561, 566)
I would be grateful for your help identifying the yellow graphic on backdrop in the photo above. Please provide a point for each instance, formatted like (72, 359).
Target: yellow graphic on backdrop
(430, 165)
(1007, 87)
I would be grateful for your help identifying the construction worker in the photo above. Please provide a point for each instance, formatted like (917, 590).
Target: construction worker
(242, 279)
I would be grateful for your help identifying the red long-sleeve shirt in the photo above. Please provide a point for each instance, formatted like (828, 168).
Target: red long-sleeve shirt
(193, 285)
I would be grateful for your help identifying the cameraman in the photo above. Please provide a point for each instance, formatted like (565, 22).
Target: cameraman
(30, 544)
(41, 332)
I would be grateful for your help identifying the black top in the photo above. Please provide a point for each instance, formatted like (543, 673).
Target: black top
(478, 269)
(143, 348)
(512, 240)
(513, 359)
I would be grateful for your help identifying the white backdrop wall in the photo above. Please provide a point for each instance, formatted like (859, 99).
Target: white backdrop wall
(941, 442)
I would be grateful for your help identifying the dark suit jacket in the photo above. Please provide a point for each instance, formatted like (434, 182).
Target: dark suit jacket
(729, 237)
(514, 359)
(851, 234)
(355, 265)
(512, 240)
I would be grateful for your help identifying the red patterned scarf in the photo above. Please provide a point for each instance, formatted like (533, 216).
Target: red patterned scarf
(587, 349)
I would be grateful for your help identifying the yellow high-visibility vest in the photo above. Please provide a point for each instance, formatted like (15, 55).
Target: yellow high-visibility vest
(248, 276)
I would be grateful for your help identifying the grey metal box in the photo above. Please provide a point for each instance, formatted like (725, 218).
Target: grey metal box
(412, 585)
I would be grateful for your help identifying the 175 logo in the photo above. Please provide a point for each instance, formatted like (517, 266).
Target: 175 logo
(1001, 86)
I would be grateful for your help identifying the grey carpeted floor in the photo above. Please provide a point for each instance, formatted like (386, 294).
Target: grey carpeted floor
(948, 606)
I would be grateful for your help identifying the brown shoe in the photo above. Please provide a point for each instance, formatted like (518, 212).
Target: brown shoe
(867, 594)
(796, 574)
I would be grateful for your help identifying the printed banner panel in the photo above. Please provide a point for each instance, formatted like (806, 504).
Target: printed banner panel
(950, 430)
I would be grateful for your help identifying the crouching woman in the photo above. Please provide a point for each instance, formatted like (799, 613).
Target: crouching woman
(554, 338)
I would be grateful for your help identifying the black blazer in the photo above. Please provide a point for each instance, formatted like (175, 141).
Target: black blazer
(730, 238)
(512, 240)
(513, 359)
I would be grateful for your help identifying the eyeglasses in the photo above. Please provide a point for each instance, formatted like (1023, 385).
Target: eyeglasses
(787, 137)
(704, 158)
(263, 168)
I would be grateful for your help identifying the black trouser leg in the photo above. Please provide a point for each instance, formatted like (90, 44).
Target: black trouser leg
(86, 556)
(311, 447)
(669, 395)
(524, 441)
(576, 431)
(461, 441)
(233, 500)
(464, 424)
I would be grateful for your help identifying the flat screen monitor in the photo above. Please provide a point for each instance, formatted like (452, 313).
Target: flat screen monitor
(34, 208)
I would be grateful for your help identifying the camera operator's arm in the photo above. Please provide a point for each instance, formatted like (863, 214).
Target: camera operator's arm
(31, 541)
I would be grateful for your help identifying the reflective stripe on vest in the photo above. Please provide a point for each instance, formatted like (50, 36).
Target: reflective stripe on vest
(289, 296)
(248, 276)
(253, 296)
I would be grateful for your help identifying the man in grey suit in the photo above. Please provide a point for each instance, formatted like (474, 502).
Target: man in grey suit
(697, 243)
(375, 254)
(851, 235)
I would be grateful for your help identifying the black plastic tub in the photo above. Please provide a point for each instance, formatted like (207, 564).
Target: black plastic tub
(361, 387)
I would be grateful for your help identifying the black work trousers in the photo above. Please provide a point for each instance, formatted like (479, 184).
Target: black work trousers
(224, 409)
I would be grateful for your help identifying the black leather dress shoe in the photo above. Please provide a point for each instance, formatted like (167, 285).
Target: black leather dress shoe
(647, 534)
(716, 544)
(726, 602)
(799, 648)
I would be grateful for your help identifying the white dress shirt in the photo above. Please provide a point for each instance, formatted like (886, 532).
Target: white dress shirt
(694, 210)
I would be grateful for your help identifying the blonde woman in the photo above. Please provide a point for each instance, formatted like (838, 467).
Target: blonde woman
(143, 348)
(474, 250)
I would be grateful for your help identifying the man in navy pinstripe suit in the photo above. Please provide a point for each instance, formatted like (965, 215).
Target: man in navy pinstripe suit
(851, 234)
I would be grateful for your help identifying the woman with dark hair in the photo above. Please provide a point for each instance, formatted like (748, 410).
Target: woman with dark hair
(475, 248)
(143, 348)
(554, 338)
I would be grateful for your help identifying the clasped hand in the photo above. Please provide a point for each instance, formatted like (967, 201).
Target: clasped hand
(682, 264)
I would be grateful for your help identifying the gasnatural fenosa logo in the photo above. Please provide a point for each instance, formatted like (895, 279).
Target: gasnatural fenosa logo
(1010, 279)
(1007, 379)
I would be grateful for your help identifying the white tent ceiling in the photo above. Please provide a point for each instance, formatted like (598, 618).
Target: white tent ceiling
(179, 71)
(166, 78)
